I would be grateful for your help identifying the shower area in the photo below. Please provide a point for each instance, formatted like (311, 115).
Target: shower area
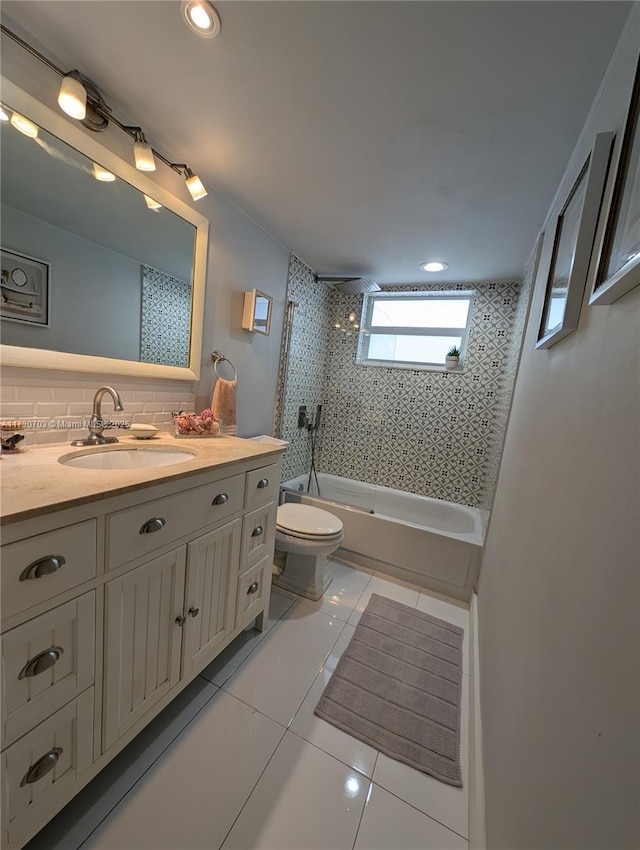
(435, 434)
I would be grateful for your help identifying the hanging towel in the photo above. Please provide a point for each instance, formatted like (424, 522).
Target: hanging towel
(223, 405)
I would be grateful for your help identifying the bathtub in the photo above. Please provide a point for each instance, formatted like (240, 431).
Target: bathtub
(425, 541)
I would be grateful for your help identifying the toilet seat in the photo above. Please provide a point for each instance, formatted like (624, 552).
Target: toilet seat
(307, 523)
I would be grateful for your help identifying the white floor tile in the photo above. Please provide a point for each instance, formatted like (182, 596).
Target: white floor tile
(344, 591)
(277, 675)
(191, 797)
(392, 588)
(444, 803)
(451, 611)
(390, 824)
(329, 738)
(232, 657)
(85, 812)
(305, 800)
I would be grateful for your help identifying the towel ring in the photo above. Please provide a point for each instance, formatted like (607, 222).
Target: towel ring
(220, 358)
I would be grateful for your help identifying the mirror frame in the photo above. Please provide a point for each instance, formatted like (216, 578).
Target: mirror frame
(41, 358)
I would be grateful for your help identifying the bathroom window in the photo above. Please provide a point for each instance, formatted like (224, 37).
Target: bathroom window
(414, 330)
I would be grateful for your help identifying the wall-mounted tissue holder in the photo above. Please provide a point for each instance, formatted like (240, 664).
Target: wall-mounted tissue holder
(256, 314)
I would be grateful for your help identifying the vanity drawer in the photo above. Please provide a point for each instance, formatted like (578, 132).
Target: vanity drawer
(262, 486)
(137, 531)
(254, 586)
(46, 662)
(39, 568)
(42, 769)
(258, 532)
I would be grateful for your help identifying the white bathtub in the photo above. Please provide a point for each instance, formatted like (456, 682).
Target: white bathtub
(425, 541)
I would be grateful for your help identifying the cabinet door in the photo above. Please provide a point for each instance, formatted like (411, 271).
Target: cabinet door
(212, 569)
(143, 611)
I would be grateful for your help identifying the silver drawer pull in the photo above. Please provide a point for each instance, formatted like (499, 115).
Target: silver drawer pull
(264, 482)
(220, 499)
(257, 531)
(44, 764)
(43, 661)
(180, 620)
(43, 567)
(155, 524)
(194, 612)
(253, 587)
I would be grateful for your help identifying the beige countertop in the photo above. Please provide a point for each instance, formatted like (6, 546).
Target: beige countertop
(33, 482)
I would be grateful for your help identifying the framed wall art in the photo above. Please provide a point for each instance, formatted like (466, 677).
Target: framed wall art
(618, 269)
(573, 236)
(24, 288)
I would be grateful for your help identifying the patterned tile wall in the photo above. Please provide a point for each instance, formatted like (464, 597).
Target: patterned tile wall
(165, 326)
(425, 432)
(307, 362)
(428, 432)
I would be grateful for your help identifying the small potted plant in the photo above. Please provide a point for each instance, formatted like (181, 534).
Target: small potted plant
(453, 358)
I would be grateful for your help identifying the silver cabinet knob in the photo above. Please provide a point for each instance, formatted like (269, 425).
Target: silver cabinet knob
(220, 499)
(157, 523)
(43, 661)
(264, 482)
(257, 531)
(43, 567)
(194, 612)
(180, 620)
(253, 587)
(44, 764)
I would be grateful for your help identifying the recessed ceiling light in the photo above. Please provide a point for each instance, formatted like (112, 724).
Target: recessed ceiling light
(201, 17)
(434, 266)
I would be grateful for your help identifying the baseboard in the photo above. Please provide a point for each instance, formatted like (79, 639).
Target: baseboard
(477, 823)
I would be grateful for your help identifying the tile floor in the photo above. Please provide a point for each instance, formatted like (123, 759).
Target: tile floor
(239, 760)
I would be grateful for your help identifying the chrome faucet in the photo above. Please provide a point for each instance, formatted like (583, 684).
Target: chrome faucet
(96, 424)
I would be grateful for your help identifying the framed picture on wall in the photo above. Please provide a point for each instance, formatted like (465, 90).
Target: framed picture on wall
(619, 260)
(573, 236)
(24, 288)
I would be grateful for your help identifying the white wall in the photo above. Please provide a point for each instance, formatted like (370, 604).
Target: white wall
(241, 256)
(559, 593)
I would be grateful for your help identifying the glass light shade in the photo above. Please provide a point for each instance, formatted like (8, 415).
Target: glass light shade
(143, 156)
(153, 205)
(102, 174)
(72, 97)
(24, 125)
(195, 187)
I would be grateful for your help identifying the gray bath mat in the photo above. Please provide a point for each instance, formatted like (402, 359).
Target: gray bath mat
(397, 687)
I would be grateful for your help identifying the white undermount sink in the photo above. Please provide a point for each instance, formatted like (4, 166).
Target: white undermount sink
(126, 458)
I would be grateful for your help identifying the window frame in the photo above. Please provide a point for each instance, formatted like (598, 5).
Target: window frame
(370, 298)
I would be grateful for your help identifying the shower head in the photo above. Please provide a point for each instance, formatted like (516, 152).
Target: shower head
(351, 285)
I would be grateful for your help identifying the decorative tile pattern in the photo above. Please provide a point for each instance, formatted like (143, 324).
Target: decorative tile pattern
(165, 324)
(427, 432)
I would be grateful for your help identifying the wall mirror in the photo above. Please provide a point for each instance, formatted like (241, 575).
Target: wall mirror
(115, 264)
(256, 313)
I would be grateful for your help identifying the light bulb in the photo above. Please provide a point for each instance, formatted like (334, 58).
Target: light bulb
(72, 97)
(194, 185)
(24, 125)
(200, 17)
(143, 154)
(3, 115)
(153, 205)
(102, 174)
(434, 266)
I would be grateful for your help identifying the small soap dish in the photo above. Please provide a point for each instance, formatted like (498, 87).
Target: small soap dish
(143, 432)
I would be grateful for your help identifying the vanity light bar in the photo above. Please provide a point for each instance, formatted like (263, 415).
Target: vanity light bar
(70, 99)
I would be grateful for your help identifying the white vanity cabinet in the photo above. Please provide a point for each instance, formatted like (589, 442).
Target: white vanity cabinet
(109, 609)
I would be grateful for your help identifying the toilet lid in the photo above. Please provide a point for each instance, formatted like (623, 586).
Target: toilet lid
(304, 519)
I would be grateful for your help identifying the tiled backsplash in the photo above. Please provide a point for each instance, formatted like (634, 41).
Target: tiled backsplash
(428, 432)
(46, 408)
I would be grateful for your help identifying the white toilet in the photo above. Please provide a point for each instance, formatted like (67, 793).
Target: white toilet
(305, 536)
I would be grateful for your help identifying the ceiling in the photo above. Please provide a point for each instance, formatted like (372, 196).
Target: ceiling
(367, 137)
